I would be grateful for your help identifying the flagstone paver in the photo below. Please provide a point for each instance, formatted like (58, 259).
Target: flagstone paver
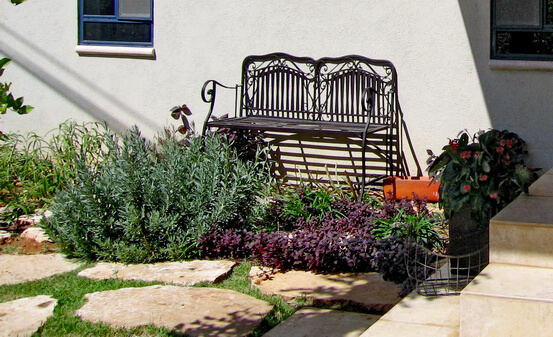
(25, 316)
(23, 268)
(193, 311)
(4, 236)
(314, 322)
(185, 273)
(368, 290)
(35, 233)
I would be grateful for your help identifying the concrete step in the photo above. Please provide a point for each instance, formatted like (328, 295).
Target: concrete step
(508, 300)
(523, 231)
(543, 186)
(315, 322)
(419, 316)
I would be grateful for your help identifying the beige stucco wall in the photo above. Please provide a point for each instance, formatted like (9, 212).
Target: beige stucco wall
(439, 47)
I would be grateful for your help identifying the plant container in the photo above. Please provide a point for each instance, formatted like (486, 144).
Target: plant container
(405, 187)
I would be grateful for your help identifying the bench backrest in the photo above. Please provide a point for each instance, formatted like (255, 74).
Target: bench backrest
(330, 89)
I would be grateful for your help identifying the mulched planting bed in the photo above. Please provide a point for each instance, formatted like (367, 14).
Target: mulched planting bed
(18, 245)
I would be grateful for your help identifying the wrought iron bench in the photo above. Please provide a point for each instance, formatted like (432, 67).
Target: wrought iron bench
(352, 95)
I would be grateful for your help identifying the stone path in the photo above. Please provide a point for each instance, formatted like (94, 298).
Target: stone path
(35, 233)
(194, 311)
(316, 322)
(25, 268)
(367, 290)
(202, 311)
(179, 273)
(24, 316)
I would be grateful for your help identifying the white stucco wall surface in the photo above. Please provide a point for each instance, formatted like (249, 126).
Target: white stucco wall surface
(440, 85)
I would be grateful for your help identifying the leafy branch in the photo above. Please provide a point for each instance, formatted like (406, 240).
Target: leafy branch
(7, 100)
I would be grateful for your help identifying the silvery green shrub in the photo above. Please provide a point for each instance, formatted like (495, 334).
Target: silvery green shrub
(149, 202)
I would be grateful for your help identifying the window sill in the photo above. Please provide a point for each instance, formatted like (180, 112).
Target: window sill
(115, 51)
(521, 65)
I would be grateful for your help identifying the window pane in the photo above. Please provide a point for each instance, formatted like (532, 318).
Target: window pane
(135, 8)
(117, 32)
(528, 43)
(517, 12)
(99, 7)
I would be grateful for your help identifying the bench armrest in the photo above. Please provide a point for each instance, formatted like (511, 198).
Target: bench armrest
(209, 93)
(367, 103)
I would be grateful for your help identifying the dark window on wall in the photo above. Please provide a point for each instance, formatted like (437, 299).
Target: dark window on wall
(116, 22)
(522, 29)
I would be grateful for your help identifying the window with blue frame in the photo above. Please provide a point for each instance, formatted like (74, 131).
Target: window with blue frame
(522, 29)
(116, 22)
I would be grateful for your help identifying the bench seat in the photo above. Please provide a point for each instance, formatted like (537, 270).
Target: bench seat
(277, 124)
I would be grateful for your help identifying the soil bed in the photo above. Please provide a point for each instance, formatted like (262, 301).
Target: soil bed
(18, 245)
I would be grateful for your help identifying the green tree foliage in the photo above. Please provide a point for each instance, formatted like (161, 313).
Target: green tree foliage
(7, 100)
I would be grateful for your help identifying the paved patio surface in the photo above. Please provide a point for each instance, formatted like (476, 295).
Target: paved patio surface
(209, 311)
(367, 291)
(24, 268)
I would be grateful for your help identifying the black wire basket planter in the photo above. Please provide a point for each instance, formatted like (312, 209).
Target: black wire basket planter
(434, 274)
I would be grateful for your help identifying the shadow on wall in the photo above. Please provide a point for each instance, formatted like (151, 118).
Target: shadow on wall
(518, 101)
(53, 77)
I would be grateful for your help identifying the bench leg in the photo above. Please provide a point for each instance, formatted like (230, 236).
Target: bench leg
(363, 166)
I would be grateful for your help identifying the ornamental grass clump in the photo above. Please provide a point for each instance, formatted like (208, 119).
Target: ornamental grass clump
(146, 203)
(34, 168)
(485, 171)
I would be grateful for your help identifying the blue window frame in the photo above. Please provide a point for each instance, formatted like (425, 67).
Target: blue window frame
(522, 29)
(116, 22)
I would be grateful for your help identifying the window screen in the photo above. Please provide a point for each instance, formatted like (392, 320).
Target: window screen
(518, 12)
(134, 8)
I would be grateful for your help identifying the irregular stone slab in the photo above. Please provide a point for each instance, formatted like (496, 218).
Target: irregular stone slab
(367, 290)
(24, 268)
(191, 311)
(29, 220)
(35, 233)
(179, 273)
(313, 322)
(25, 316)
(4, 236)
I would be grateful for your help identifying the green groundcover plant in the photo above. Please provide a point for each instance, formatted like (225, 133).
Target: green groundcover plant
(149, 202)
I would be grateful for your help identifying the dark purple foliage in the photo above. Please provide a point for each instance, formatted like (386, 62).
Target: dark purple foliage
(389, 259)
(228, 243)
(341, 241)
(391, 207)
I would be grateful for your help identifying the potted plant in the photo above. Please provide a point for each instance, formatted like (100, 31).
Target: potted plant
(479, 176)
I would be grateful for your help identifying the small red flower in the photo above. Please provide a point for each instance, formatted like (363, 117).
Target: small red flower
(466, 188)
(483, 177)
(466, 154)
(500, 149)
(503, 142)
(494, 196)
(454, 144)
(510, 143)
